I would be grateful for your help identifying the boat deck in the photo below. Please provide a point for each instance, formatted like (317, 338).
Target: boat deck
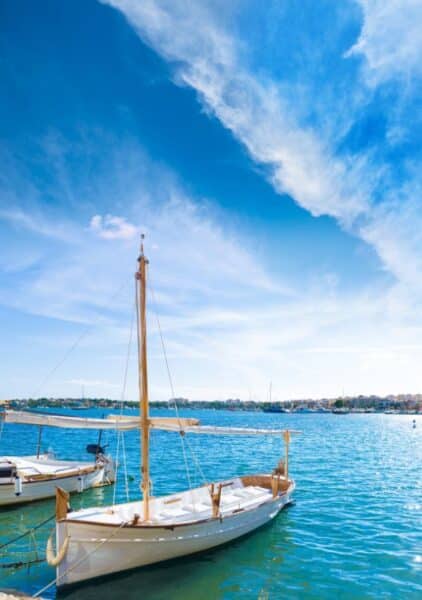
(31, 466)
(184, 507)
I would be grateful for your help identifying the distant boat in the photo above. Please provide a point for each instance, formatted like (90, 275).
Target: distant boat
(102, 540)
(35, 477)
(340, 411)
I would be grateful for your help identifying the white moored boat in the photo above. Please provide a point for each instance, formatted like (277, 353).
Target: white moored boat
(28, 478)
(99, 541)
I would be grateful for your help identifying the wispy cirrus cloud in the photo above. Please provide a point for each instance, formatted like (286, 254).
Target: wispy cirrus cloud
(230, 325)
(36, 223)
(390, 40)
(356, 187)
(94, 256)
(207, 59)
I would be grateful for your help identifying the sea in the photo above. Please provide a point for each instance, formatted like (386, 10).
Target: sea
(353, 532)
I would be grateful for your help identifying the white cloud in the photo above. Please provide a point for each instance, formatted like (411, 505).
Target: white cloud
(193, 257)
(303, 161)
(227, 322)
(207, 60)
(395, 230)
(111, 227)
(229, 328)
(390, 40)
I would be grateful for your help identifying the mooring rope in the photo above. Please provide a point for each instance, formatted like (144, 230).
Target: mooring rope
(28, 532)
(21, 563)
(78, 562)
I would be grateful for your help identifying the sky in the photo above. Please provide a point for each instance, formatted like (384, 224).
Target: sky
(271, 154)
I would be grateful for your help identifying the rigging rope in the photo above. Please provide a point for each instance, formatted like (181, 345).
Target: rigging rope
(69, 351)
(185, 459)
(125, 468)
(120, 434)
(182, 437)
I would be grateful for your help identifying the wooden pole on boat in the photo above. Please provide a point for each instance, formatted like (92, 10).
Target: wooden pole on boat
(286, 436)
(143, 376)
(39, 441)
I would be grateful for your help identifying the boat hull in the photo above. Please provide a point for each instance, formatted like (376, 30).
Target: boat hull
(39, 490)
(96, 550)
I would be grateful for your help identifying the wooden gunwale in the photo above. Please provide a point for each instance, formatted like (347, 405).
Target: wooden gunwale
(48, 477)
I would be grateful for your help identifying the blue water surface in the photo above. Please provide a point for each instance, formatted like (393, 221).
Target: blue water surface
(354, 531)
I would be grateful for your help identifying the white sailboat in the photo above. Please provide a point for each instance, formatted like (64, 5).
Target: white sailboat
(35, 477)
(99, 541)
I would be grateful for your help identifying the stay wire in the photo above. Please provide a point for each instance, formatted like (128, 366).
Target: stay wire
(171, 384)
(78, 340)
(182, 436)
(120, 434)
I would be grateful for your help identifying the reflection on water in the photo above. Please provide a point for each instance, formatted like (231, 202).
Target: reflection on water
(209, 572)
(354, 531)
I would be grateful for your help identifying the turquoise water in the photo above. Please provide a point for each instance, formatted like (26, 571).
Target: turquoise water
(354, 532)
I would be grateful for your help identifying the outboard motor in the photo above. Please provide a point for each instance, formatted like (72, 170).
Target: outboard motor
(95, 449)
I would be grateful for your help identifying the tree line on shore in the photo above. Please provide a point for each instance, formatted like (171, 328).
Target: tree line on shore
(407, 402)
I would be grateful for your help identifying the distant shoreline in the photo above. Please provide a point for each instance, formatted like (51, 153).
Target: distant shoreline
(402, 404)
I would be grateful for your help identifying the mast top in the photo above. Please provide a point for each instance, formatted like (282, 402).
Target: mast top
(141, 254)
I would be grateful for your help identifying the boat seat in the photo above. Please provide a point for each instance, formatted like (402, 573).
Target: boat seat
(173, 513)
(229, 499)
(241, 493)
(257, 491)
(195, 508)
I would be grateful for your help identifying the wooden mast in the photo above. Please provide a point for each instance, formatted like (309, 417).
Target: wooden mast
(140, 277)
(286, 436)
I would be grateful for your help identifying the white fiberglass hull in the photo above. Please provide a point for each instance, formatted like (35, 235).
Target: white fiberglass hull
(96, 549)
(74, 477)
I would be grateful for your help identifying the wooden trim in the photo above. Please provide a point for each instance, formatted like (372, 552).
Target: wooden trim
(62, 503)
(51, 478)
(265, 481)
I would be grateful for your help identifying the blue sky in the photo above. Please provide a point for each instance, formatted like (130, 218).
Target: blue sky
(271, 153)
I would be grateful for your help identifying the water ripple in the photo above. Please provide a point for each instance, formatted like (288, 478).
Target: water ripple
(354, 532)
